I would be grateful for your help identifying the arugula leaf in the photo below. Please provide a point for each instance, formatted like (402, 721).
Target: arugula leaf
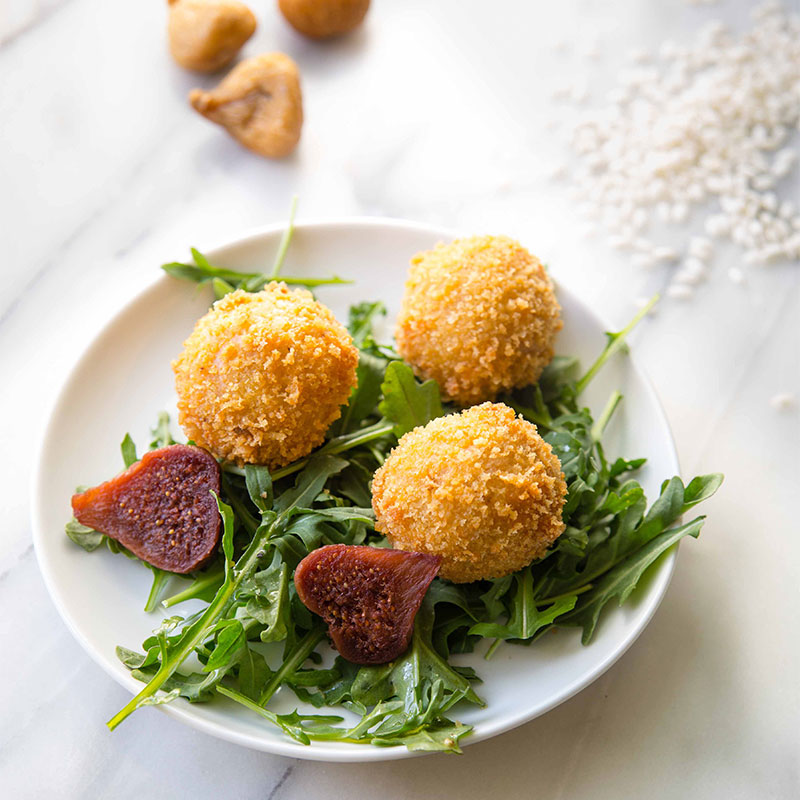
(130, 658)
(310, 482)
(268, 602)
(346, 514)
(253, 673)
(701, 488)
(622, 579)
(630, 531)
(228, 280)
(407, 403)
(293, 659)
(361, 320)
(224, 280)
(491, 597)
(441, 736)
(161, 435)
(370, 374)
(87, 538)
(230, 639)
(372, 684)
(526, 619)
(160, 580)
(128, 449)
(259, 487)
(422, 661)
(301, 728)
(370, 435)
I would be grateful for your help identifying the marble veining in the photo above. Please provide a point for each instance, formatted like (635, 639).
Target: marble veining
(21, 16)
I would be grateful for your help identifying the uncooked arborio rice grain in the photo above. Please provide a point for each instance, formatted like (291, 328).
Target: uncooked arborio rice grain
(709, 125)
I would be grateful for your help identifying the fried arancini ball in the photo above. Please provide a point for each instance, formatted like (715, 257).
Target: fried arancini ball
(479, 316)
(263, 375)
(480, 488)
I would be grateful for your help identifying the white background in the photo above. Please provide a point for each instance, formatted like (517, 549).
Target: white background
(439, 112)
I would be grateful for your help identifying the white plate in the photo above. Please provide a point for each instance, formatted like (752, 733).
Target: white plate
(123, 380)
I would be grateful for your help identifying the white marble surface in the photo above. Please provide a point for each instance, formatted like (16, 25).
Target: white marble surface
(436, 112)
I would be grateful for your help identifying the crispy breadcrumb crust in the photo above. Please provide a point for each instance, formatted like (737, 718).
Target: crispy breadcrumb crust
(480, 488)
(263, 375)
(479, 316)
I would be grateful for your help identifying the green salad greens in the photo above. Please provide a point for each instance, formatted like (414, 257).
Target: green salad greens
(252, 636)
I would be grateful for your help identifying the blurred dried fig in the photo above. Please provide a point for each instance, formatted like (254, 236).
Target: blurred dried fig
(205, 35)
(259, 102)
(320, 19)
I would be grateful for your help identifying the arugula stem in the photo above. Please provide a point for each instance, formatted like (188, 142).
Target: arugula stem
(199, 630)
(301, 651)
(601, 422)
(615, 344)
(609, 566)
(231, 468)
(160, 580)
(286, 239)
(492, 648)
(249, 522)
(167, 669)
(347, 442)
(297, 732)
(198, 586)
(312, 283)
(335, 446)
(377, 455)
(546, 601)
(221, 287)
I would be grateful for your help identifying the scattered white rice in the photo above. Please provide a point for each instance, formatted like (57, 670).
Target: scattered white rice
(783, 401)
(736, 275)
(705, 126)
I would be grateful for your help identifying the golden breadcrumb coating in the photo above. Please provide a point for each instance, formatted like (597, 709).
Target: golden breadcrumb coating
(479, 316)
(263, 375)
(481, 489)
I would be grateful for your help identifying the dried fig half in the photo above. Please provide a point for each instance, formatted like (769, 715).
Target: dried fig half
(205, 35)
(369, 597)
(259, 102)
(161, 508)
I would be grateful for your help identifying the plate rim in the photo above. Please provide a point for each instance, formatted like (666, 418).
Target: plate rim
(361, 753)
